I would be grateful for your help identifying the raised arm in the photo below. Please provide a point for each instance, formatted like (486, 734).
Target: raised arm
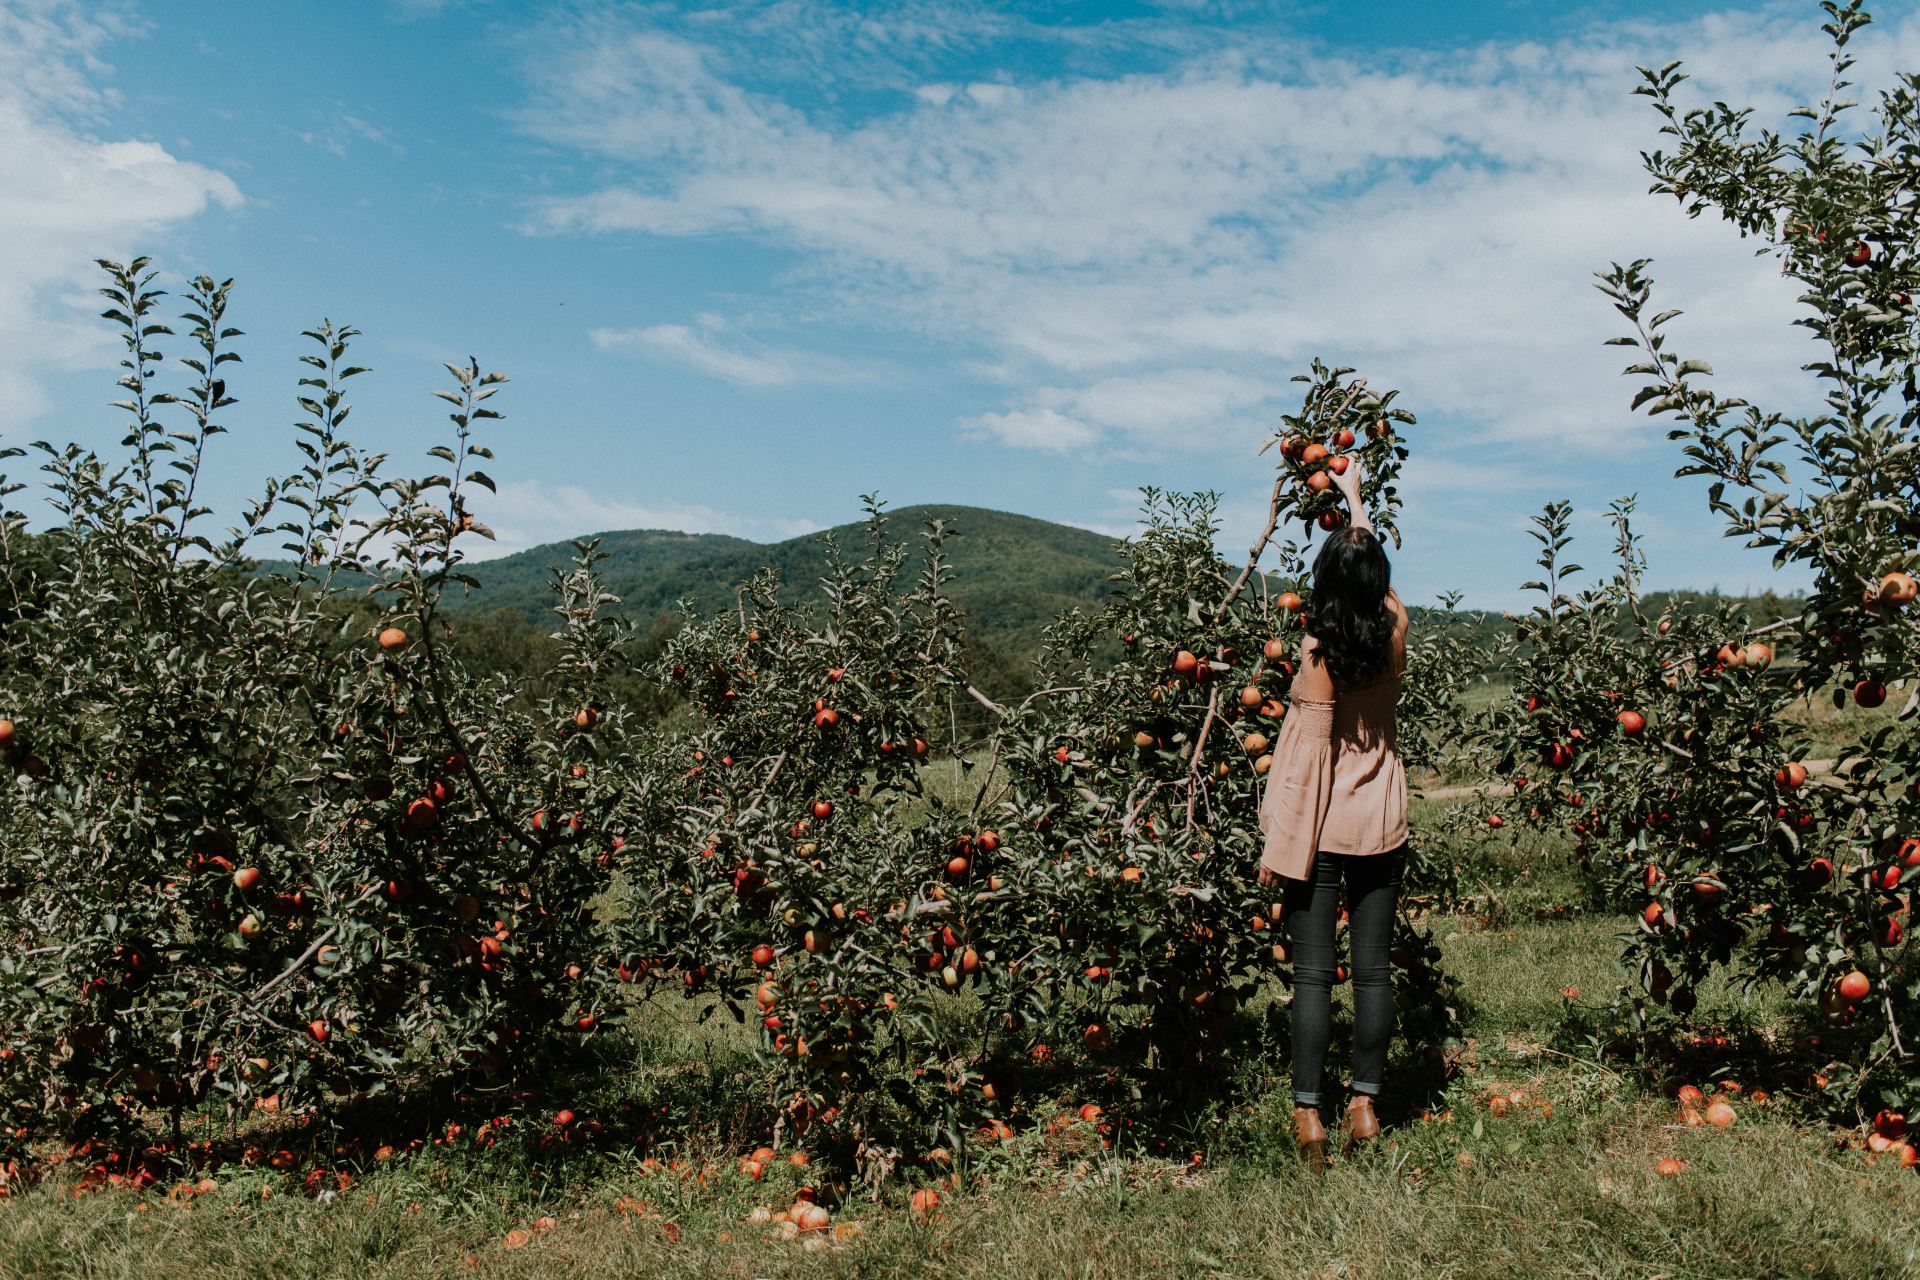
(1398, 610)
(1348, 483)
(1315, 682)
(1400, 622)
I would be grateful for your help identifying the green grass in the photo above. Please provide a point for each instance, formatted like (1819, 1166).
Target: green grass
(1577, 1197)
(1571, 1194)
(1568, 1188)
(1833, 727)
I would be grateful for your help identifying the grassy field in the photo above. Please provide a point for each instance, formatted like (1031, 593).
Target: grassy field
(1557, 1178)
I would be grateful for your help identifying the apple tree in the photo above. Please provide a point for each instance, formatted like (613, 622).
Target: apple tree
(941, 947)
(264, 845)
(1665, 743)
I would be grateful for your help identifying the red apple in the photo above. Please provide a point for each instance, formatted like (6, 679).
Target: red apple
(421, 813)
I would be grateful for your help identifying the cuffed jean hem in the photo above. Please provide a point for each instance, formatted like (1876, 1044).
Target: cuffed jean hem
(1371, 1090)
(1306, 1099)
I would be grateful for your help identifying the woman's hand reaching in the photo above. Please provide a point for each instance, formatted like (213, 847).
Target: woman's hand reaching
(1348, 482)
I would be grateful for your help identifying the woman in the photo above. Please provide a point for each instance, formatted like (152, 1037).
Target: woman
(1336, 810)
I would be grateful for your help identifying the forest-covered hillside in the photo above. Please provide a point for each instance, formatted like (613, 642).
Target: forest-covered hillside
(1012, 575)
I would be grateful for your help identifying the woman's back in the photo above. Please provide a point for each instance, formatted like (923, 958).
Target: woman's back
(1365, 718)
(1334, 817)
(1366, 809)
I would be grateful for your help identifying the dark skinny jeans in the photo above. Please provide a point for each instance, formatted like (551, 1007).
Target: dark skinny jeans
(1312, 907)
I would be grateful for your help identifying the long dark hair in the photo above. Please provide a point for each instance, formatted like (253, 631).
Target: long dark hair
(1349, 614)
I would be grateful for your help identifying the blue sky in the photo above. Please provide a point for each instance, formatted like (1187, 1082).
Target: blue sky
(745, 263)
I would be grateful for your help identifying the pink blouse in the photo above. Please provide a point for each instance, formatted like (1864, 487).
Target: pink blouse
(1337, 782)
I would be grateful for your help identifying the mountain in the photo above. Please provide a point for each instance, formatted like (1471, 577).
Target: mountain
(1012, 574)
(521, 582)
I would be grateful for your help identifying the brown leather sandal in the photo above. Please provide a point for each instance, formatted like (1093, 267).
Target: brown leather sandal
(1362, 1124)
(1310, 1132)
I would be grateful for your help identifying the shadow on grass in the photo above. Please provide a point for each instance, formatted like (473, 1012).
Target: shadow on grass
(618, 1095)
(1781, 1058)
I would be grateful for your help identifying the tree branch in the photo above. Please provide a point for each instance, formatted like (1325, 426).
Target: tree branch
(1200, 751)
(312, 950)
(1273, 517)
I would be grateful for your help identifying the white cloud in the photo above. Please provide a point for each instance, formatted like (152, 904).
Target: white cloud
(528, 513)
(703, 348)
(341, 133)
(1045, 429)
(1151, 404)
(1144, 249)
(70, 196)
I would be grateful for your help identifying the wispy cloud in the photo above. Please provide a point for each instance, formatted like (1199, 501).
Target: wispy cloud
(1046, 429)
(344, 129)
(70, 196)
(1144, 249)
(1165, 406)
(1137, 415)
(529, 513)
(417, 10)
(711, 347)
